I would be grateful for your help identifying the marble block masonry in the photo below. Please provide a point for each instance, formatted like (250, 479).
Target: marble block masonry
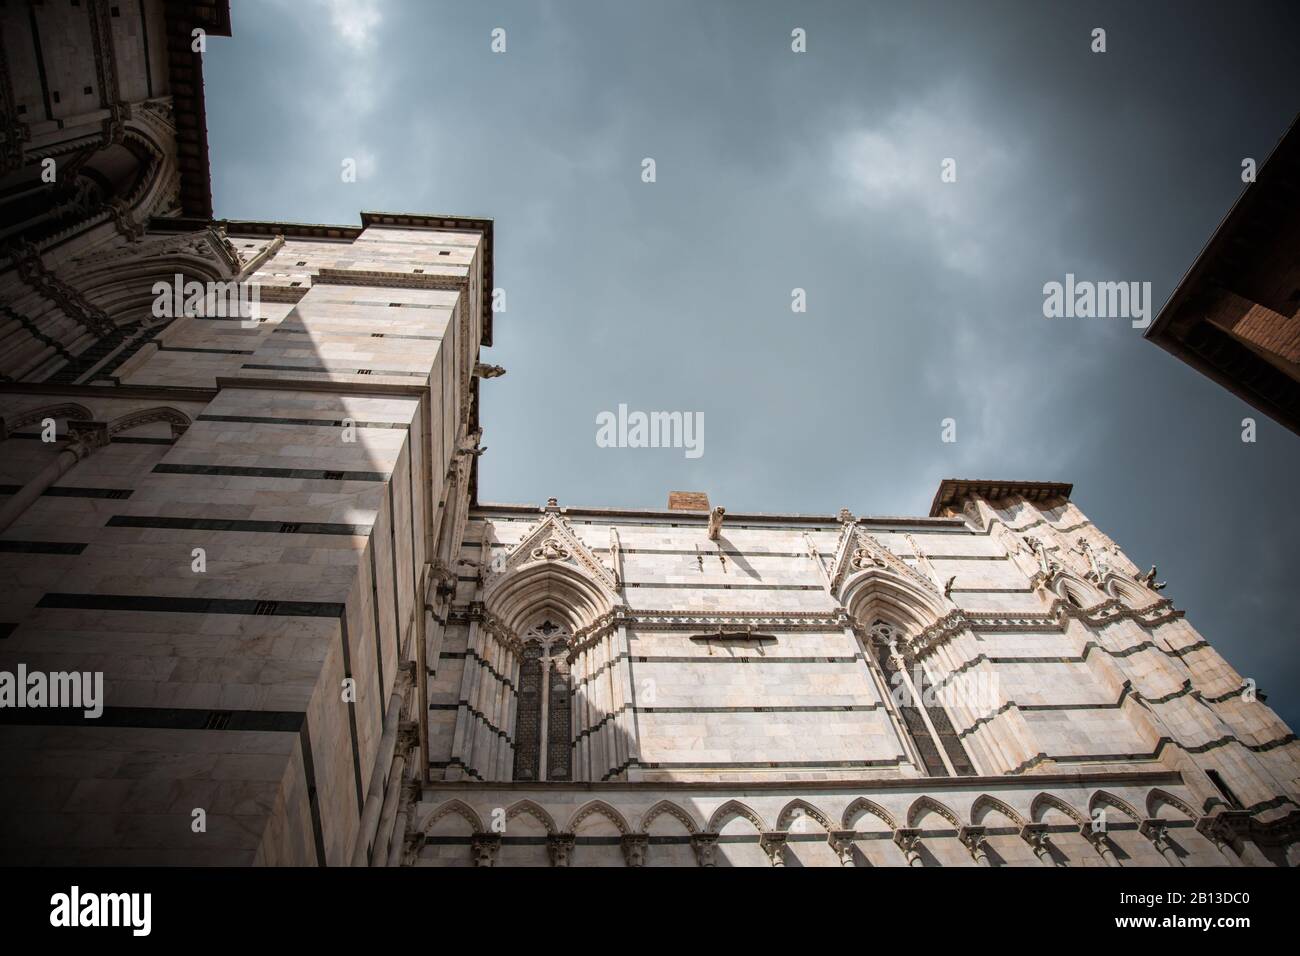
(320, 648)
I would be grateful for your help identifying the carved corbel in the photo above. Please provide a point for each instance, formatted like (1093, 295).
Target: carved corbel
(841, 842)
(773, 844)
(635, 847)
(560, 848)
(705, 846)
(1157, 831)
(1036, 835)
(408, 736)
(975, 839)
(444, 578)
(908, 839)
(84, 437)
(484, 848)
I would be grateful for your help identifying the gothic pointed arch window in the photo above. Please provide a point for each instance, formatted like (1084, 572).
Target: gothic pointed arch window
(922, 715)
(543, 722)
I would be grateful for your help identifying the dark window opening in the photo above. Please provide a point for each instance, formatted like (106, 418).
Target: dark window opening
(1223, 788)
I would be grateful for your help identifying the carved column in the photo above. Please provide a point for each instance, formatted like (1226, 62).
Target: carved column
(83, 438)
(630, 750)
(635, 847)
(908, 839)
(975, 839)
(705, 846)
(370, 811)
(408, 736)
(1100, 842)
(400, 842)
(463, 739)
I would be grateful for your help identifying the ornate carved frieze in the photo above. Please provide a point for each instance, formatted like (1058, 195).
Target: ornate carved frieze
(765, 620)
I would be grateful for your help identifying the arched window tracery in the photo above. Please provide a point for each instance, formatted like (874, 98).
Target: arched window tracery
(543, 721)
(922, 716)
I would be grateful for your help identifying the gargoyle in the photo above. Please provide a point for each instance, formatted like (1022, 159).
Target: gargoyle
(469, 445)
(715, 522)
(1149, 579)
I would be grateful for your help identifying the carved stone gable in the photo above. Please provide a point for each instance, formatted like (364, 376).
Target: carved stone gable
(552, 540)
(859, 551)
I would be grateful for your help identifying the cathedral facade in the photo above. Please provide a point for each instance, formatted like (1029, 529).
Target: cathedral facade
(239, 489)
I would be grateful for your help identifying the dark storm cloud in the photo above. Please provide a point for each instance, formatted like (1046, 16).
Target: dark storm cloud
(821, 171)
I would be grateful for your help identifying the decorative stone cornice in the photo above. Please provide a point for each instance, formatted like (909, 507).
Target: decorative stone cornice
(938, 633)
(953, 491)
(389, 280)
(766, 620)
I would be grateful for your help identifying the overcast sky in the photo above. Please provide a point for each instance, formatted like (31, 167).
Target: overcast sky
(820, 170)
